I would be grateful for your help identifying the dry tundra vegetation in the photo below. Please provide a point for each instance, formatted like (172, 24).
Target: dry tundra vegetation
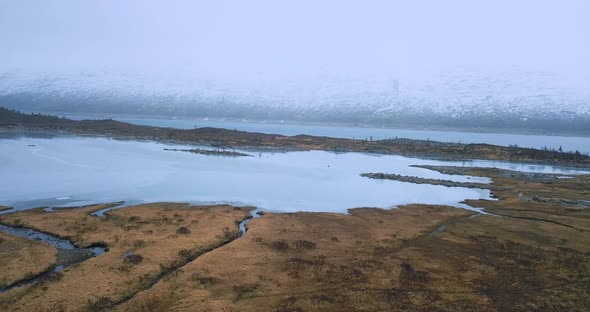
(145, 243)
(533, 255)
(22, 259)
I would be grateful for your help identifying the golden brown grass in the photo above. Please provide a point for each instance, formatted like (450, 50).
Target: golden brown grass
(378, 260)
(308, 261)
(23, 259)
(541, 198)
(158, 237)
(536, 259)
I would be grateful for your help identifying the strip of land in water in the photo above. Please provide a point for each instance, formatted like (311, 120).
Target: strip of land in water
(210, 152)
(419, 180)
(223, 138)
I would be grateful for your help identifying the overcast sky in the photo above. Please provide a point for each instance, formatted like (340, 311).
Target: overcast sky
(243, 40)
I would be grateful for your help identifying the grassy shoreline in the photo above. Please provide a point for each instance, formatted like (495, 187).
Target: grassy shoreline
(229, 139)
(362, 125)
(23, 259)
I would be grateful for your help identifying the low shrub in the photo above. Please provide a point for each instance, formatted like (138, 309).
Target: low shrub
(133, 259)
(183, 231)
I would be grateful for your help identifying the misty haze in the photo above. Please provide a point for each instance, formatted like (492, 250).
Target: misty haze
(294, 155)
(458, 65)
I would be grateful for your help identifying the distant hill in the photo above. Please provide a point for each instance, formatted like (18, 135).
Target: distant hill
(13, 117)
(529, 102)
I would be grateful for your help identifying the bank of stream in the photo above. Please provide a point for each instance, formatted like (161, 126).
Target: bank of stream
(256, 213)
(68, 253)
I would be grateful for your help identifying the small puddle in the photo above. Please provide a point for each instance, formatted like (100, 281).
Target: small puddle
(67, 253)
(438, 230)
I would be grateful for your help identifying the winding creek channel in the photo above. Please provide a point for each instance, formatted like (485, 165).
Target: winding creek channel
(68, 253)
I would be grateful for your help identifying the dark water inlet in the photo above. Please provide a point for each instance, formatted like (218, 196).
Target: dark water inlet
(68, 253)
(30, 234)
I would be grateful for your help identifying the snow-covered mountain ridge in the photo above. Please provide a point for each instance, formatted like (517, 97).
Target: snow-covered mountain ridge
(518, 100)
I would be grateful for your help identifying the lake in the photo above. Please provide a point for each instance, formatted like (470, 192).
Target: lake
(67, 171)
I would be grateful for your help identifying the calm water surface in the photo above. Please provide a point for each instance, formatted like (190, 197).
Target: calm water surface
(65, 171)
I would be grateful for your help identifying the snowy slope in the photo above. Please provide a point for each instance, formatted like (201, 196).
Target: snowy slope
(452, 98)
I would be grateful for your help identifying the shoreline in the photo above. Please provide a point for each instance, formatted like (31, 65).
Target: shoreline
(420, 248)
(301, 144)
(360, 125)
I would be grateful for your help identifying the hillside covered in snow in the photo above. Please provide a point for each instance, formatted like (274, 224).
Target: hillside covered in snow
(539, 102)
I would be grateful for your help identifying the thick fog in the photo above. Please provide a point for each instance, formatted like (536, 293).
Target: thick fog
(431, 54)
(288, 39)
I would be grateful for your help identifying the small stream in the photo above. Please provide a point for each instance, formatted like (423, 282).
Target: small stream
(256, 213)
(101, 213)
(68, 253)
